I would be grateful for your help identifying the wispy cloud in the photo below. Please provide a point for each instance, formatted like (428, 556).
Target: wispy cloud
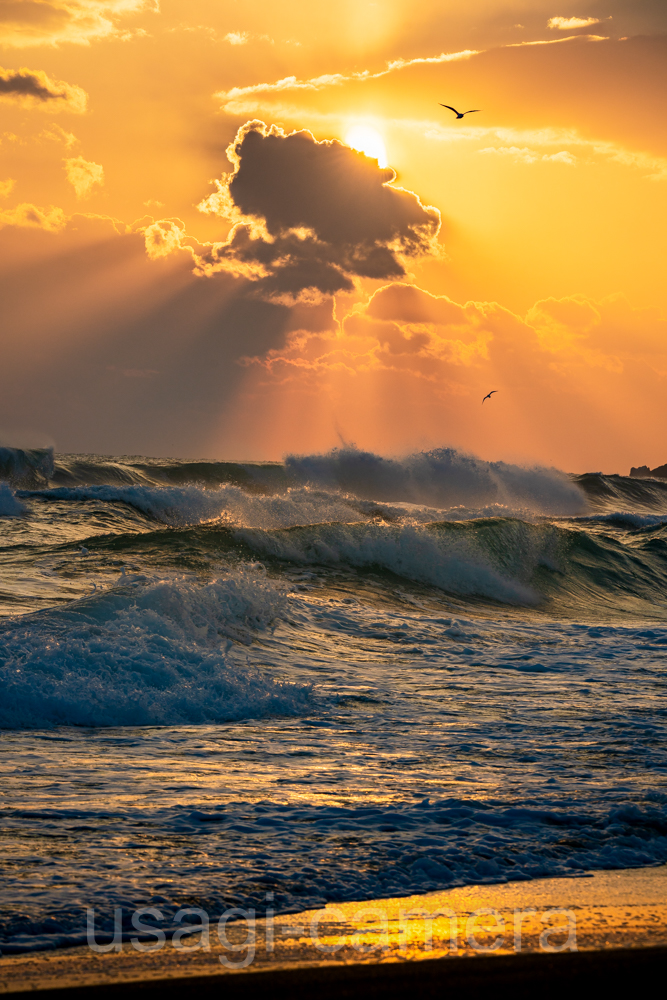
(57, 134)
(28, 216)
(570, 23)
(237, 37)
(654, 166)
(236, 94)
(558, 41)
(51, 22)
(527, 155)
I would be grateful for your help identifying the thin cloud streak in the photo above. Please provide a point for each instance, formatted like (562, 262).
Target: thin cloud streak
(568, 23)
(396, 65)
(337, 79)
(558, 41)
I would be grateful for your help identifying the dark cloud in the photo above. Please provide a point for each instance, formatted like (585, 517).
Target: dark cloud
(313, 215)
(30, 86)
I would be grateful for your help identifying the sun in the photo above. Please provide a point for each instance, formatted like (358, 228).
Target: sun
(367, 140)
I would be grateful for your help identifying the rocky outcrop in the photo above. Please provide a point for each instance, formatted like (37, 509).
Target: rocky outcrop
(643, 472)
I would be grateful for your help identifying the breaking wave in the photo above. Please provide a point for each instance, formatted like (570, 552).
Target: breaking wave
(9, 505)
(441, 478)
(26, 467)
(451, 560)
(146, 653)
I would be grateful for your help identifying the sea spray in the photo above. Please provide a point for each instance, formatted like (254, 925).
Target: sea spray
(440, 478)
(9, 505)
(149, 652)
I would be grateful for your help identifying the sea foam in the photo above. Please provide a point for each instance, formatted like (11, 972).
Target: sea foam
(441, 478)
(9, 505)
(450, 560)
(149, 652)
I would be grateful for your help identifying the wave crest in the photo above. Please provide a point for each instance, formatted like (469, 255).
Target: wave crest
(445, 556)
(26, 467)
(9, 505)
(147, 653)
(441, 478)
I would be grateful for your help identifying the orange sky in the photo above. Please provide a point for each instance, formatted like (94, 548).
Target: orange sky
(319, 297)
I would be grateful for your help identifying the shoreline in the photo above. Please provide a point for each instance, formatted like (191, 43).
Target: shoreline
(513, 930)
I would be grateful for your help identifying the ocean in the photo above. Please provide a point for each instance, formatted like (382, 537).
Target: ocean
(340, 677)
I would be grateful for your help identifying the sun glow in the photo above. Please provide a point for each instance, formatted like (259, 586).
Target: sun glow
(369, 141)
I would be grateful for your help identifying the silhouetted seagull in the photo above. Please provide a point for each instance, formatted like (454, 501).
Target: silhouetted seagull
(460, 114)
(489, 396)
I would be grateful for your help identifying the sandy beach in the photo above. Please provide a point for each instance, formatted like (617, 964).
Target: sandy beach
(609, 925)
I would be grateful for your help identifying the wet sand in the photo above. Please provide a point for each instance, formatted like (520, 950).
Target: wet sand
(607, 931)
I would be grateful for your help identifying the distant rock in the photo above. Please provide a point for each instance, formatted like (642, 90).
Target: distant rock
(643, 472)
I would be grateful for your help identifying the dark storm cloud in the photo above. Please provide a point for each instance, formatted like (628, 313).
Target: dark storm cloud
(313, 215)
(30, 86)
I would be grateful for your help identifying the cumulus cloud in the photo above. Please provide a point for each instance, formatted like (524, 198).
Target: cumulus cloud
(606, 334)
(48, 22)
(27, 216)
(405, 331)
(6, 187)
(570, 23)
(164, 237)
(83, 175)
(33, 88)
(309, 217)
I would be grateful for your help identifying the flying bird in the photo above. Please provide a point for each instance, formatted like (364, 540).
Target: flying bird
(489, 396)
(460, 114)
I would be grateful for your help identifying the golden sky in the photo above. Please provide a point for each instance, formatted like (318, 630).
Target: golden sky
(237, 229)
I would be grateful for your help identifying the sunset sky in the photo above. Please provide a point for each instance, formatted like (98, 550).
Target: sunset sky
(194, 262)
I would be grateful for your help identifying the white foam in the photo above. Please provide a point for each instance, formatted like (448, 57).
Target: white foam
(9, 505)
(174, 505)
(442, 477)
(148, 653)
(450, 561)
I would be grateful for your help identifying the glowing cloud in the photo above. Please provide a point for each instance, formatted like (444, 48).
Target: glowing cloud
(235, 105)
(49, 22)
(312, 215)
(237, 37)
(27, 216)
(57, 134)
(83, 175)
(570, 23)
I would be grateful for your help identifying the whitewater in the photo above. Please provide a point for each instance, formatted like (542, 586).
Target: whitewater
(338, 677)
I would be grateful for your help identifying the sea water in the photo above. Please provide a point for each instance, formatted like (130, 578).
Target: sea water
(340, 677)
